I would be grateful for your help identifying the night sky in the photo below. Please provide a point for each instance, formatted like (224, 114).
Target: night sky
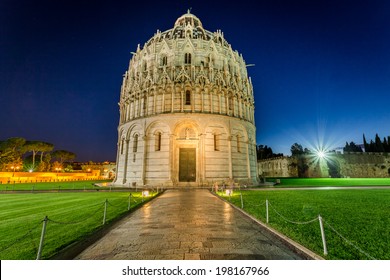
(321, 74)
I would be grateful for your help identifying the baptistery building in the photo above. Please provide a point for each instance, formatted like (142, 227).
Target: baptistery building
(186, 112)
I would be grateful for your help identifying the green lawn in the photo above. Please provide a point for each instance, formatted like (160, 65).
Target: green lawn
(360, 216)
(55, 186)
(325, 182)
(72, 216)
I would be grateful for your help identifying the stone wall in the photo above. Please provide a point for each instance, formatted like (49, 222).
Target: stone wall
(277, 167)
(354, 165)
(368, 165)
(36, 177)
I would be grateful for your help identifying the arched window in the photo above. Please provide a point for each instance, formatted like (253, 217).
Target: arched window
(230, 103)
(238, 144)
(157, 145)
(187, 58)
(216, 142)
(164, 60)
(188, 98)
(135, 144)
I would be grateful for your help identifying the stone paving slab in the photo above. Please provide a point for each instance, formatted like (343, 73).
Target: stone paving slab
(188, 225)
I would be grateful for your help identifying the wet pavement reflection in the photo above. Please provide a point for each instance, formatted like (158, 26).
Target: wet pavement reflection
(187, 224)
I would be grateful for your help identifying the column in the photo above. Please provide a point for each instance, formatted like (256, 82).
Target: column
(230, 157)
(126, 161)
(143, 170)
(154, 102)
(248, 160)
(139, 106)
(202, 101)
(182, 100)
(173, 97)
(211, 101)
(220, 102)
(227, 105)
(117, 159)
(163, 103)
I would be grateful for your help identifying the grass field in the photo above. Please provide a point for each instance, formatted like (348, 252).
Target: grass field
(325, 182)
(53, 186)
(359, 216)
(71, 217)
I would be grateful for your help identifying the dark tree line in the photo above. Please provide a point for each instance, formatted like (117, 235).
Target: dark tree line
(352, 147)
(377, 146)
(265, 152)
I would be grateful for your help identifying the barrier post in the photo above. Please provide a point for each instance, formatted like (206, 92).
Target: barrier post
(129, 205)
(323, 235)
(266, 208)
(105, 211)
(42, 238)
(242, 201)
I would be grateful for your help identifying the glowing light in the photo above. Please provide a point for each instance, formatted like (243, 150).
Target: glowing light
(228, 192)
(321, 154)
(145, 193)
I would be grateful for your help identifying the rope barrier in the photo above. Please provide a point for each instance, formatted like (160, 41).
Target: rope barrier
(115, 205)
(20, 238)
(319, 218)
(255, 205)
(293, 222)
(349, 242)
(80, 221)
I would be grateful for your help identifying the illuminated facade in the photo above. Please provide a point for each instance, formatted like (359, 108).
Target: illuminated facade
(186, 111)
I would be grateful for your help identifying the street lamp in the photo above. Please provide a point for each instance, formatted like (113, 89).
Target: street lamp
(14, 169)
(58, 169)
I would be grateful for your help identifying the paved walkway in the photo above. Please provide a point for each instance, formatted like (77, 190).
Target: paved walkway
(187, 224)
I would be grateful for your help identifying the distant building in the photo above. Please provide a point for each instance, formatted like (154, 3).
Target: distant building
(186, 111)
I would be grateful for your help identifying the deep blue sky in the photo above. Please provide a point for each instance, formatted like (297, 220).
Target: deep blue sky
(322, 68)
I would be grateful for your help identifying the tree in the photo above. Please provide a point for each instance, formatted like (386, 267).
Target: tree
(11, 151)
(366, 146)
(299, 154)
(378, 144)
(352, 147)
(264, 152)
(385, 145)
(45, 147)
(45, 164)
(32, 146)
(296, 149)
(63, 155)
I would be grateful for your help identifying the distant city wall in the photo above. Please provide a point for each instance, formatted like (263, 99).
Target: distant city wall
(277, 167)
(353, 165)
(37, 177)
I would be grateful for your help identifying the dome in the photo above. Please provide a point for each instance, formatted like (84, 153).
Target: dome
(188, 19)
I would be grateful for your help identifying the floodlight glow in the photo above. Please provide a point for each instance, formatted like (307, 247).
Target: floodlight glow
(321, 154)
(228, 192)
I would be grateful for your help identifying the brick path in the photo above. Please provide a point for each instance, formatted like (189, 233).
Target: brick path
(187, 224)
